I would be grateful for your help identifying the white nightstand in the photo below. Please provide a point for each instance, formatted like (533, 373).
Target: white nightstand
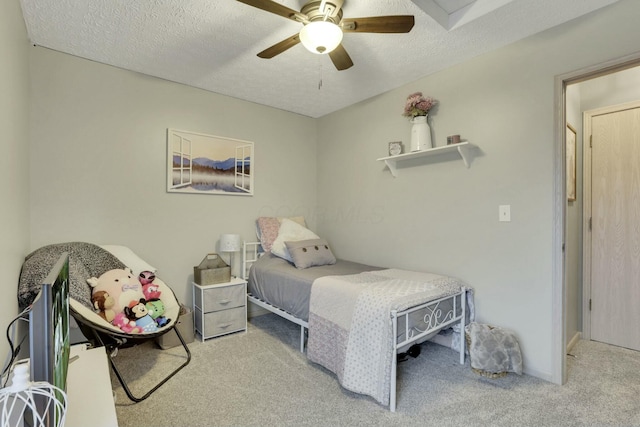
(220, 309)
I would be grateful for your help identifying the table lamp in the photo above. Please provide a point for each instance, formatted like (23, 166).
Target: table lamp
(230, 243)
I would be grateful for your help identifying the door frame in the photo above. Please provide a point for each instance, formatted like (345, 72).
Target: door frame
(558, 265)
(586, 209)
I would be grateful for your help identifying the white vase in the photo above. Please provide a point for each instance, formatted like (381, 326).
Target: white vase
(420, 134)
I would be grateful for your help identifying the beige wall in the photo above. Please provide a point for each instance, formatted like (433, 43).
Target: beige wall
(14, 162)
(98, 163)
(612, 89)
(437, 215)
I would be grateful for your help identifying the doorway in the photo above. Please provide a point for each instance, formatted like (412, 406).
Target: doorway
(604, 83)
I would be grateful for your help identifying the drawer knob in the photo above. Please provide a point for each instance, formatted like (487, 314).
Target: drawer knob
(225, 301)
(224, 325)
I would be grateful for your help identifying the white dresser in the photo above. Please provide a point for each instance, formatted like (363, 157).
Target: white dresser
(220, 309)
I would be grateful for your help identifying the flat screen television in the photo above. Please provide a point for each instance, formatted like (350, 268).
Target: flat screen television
(49, 343)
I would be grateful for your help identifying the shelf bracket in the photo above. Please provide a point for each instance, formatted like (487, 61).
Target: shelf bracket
(465, 153)
(391, 164)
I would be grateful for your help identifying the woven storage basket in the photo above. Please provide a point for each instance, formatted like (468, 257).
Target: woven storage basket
(481, 372)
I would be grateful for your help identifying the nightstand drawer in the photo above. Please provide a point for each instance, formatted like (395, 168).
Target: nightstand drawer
(222, 298)
(225, 321)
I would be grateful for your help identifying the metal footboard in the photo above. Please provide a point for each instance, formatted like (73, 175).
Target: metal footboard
(434, 319)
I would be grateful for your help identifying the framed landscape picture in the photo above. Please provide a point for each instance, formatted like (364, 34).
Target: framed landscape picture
(207, 164)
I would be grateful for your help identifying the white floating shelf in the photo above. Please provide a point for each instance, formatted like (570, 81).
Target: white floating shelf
(463, 148)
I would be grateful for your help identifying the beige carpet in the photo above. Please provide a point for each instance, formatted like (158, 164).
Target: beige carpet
(259, 378)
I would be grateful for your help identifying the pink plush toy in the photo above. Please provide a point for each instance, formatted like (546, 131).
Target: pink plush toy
(146, 277)
(128, 326)
(149, 289)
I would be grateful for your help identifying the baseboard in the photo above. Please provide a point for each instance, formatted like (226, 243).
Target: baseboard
(577, 337)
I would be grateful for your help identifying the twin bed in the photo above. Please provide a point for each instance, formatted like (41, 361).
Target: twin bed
(354, 318)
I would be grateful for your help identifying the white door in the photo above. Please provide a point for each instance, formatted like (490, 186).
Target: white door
(615, 239)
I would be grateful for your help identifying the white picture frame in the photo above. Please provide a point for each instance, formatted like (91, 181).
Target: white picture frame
(571, 163)
(206, 164)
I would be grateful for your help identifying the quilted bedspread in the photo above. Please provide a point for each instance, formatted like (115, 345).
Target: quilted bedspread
(350, 329)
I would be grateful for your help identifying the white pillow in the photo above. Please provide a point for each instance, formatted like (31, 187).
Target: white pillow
(129, 259)
(290, 231)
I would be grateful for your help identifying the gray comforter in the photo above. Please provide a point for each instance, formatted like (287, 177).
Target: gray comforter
(85, 260)
(280, 283)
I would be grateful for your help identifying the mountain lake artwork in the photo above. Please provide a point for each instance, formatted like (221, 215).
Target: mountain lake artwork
(207, 164)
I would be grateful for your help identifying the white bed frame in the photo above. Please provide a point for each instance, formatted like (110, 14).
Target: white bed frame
(433, 316)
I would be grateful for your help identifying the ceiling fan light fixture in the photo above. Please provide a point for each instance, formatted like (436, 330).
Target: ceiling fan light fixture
(320, 37)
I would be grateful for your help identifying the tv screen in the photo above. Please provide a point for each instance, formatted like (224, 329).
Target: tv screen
(49, 331)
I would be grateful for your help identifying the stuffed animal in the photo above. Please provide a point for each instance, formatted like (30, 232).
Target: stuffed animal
(149, 289)
(121, 284)
(103, 303)
(137, 311)
(156, 309)
(146, 277)
(128, 326)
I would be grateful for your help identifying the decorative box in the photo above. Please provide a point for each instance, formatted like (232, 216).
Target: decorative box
(212, 270)
(184, 325)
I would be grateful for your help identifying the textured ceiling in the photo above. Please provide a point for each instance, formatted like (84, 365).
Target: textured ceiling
(212, 44)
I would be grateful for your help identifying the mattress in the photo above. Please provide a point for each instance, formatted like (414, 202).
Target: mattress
(279, 283)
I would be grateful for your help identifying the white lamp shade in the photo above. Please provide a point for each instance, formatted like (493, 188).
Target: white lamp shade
(321, 36)
(230, 243)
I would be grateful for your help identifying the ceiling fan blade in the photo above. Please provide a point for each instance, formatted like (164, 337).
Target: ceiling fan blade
(273, 7)
(379, 24)
(278, 48)
(340, 58)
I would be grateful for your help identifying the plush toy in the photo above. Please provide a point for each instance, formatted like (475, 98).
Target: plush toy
(128, 326)
(137, 311)
(121, 284)
(156, 309)
(103, 303)
(146, 277)
(149, 289)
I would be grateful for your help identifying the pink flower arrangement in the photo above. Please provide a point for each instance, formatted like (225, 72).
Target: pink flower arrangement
(418, 105)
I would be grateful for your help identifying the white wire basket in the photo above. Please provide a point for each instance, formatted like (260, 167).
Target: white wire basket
(27, 403)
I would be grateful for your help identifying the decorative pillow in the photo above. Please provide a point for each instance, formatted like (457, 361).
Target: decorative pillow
(298, 219)
(290, 231)
(493, 350)
(129, 258)
(268, 231)
(309, 253)
(268, 228)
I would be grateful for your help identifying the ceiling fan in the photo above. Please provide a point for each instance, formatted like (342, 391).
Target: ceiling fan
(324, 27)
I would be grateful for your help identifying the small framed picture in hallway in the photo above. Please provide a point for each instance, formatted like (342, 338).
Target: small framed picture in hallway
(571, 163)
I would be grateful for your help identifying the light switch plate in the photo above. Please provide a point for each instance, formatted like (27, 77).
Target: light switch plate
(504, 213)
